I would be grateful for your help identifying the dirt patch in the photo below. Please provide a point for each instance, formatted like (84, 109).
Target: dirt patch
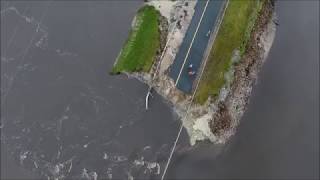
(163, 29)
(222, 120)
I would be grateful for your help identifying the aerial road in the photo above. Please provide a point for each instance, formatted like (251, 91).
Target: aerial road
(189, 58)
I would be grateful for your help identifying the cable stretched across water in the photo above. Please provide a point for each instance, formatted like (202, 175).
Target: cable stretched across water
(158, 66)
(179, 133)
(214, 34)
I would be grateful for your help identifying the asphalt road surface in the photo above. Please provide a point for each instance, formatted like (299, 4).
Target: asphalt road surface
(195, 43)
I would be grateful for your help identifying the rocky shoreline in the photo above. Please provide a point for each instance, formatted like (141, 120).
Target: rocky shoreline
(246, 72)
(217, 119)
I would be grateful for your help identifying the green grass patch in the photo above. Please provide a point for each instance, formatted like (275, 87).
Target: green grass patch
(140, 49)
(234, 33)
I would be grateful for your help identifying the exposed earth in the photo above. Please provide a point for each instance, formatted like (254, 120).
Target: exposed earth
(217, 119)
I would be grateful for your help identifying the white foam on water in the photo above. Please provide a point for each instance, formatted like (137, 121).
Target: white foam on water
(23, 156)
(109, 173)
(105, 156)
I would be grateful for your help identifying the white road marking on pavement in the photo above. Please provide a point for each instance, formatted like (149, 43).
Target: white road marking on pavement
(185, 59)
(193, 95)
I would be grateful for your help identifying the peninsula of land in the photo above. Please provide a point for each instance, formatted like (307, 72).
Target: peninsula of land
(212, 101)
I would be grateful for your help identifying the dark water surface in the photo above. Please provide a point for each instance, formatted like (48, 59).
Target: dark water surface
(62, 114)
(279, 134)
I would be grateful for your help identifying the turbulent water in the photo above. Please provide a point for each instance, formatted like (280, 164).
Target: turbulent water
(62, 114)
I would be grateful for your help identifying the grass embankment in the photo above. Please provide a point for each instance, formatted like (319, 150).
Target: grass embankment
(234, 33)
(141, 47)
